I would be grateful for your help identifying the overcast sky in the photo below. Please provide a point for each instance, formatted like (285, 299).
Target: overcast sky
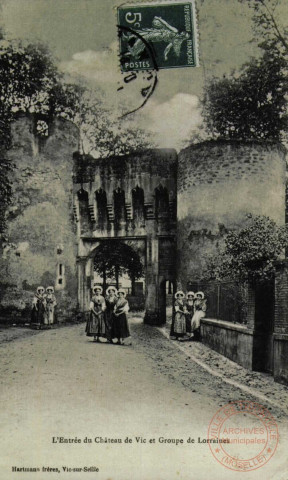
(83, 36)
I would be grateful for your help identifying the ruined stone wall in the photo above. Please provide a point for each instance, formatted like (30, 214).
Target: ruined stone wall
(218, 184)
(41, 232)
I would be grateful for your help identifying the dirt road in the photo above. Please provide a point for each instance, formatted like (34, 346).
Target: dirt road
(59, 389)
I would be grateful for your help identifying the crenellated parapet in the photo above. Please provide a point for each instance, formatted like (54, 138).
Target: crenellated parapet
(122, 195)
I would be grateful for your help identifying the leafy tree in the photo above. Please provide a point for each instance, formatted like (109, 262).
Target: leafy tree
(114, 259)
(30, 83)
(27, 72)
(28, 79)
(102, 134)
(269, 26)
(251, 105)
(251, 252)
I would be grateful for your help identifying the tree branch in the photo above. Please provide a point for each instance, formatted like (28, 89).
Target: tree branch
(275, 26)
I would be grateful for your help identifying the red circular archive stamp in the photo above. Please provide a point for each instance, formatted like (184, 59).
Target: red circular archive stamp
(243, 436)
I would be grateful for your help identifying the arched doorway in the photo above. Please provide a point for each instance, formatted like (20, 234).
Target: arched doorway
(118, 263)
(145, 268)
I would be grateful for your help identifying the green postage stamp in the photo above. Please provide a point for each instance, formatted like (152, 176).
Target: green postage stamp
(157, 35)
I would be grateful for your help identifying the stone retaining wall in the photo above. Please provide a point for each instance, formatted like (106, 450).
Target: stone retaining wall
(231, 340)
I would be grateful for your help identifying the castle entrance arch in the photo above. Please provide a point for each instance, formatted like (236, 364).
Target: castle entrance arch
(119, 263)
(127, 205)
(132, 264)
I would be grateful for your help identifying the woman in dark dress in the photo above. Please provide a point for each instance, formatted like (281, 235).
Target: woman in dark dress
(120, 329)
(178, 327)
(38, 308)
(96, 325)
(111, 300)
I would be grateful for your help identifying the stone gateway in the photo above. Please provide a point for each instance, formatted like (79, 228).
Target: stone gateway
(128, 199)
(169, 210)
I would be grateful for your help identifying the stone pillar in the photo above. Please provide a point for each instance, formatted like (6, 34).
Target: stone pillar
(250, 346)
(281, 324)
(260, 318)
(251, 307)
(162, 298)
(84, 283)
(152, 316)
(81, 282)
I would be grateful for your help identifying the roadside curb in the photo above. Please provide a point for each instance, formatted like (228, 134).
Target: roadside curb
(240, 386)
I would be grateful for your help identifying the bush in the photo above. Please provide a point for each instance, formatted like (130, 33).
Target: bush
(251, 252)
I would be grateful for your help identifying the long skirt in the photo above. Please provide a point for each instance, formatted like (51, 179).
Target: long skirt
(37, 316)
(188, 318)
(179, 325)
(195, 323)
(120, 327)
(95, 325)
(109, 318)
(49, 317)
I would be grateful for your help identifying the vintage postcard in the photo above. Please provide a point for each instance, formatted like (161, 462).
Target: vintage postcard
(143, 239)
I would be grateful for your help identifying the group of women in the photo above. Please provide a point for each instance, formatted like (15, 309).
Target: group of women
(43, 308)
(187, 314)
(108, 316)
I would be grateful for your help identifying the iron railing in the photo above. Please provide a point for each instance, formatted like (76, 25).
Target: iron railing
(225, 300)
